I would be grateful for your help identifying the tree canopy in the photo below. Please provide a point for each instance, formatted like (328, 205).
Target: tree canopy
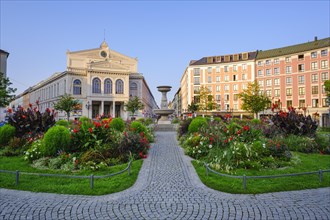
(67, 104)
(133, 105)
(327, 89)
(253, 100)
(206, 101)
(6, 92)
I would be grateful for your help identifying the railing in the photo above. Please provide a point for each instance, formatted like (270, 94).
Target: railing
(245, 178)
(91, 177)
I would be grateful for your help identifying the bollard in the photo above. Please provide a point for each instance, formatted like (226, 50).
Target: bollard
(320, 175)
(17, 177)
(129, 169)
(206, 170)
(92, 181)
(244, 182)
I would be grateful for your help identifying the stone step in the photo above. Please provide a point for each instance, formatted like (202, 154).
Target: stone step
(165, 127)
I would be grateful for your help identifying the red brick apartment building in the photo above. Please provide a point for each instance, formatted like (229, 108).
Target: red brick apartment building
(293, 75)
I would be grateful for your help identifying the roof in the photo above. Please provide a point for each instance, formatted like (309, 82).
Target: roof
(225, 58)
(316, 44)
(5, 52)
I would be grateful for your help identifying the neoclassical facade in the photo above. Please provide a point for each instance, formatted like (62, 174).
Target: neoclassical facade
(101, 79)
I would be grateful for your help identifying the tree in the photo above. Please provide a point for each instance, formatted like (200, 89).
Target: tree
(133, 105)
(327, 89)
(253, 100)
(192, 107)
(5, 91)
(206, 101)
(67, 104)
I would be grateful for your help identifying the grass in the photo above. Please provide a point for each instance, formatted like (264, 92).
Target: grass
(307, 162)
(66, 185)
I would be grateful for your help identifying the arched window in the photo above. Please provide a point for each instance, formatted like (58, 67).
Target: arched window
(107, 86)
(133, 89)
(119, 86)
(96, 85)
(77, 87)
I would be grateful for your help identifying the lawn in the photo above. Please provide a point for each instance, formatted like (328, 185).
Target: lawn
(304, 163)
(66, 185)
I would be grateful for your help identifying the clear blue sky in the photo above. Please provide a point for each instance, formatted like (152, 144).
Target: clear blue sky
(164, 35)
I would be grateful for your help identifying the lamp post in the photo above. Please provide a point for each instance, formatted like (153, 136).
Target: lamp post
(87, 106)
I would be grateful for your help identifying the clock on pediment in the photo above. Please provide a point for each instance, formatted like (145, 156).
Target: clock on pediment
(103, 54)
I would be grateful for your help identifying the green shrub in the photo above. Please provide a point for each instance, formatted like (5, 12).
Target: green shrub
(56, 138)
(7, 132)
(183, 128)
(196, 124)
(64, 123)
(92, 155)
(301, 144)
(255, 121)
(138, 127)
(118, 124)
(34, 152)
(323, 142)
(84, 119)
(175, 121)
(148, 121)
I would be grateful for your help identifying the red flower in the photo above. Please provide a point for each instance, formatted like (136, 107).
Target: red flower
(47, 110)
(23, 116)
(75, 130)
(106, 126)
(239, 132)
(90, 130)
(9, 110)
(142, 155)
(97, 124)
(226, 141)
(231, 138)
(30, 105)
(246, 128)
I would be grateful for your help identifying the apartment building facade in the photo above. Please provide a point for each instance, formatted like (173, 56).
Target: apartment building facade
(101, 79)
(290, 76)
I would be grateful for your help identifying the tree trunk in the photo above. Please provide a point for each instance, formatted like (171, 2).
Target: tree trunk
(68, 115)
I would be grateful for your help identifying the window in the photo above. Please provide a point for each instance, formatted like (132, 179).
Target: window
(268, 82)
(119, 86)
(301, 79)
(243, 76)
(217, 88)
(300, 56)
(315, 90)
(226, 97)
(323, 89)
(324, 64)
(276, 92)
(324, 76)
(314, 66)
(243, 66)
(314, 54)
(235, 97)
(289, 103)
(235, 107)
(226, 68)
(209, 69)
(235, 78)
(276, 71)
(301, 90)
(235, 68)
(209, 88)
(218, 98)
(226, 87)
(77, 87)
(226, 78)
(196, 71)
(288, 80)
(260, 73)
(269, 93)
(244, 86)
(217, 69)
(315, 77)
(133, 89)
(261, 83)
(324, 52)
(288, 69)
(209, 79)
(217, 78)
(96, 85)
(277, 82)
(301, 103)
(196, 89)
(259, 63)
(267, 62)
(301, 67)
(108, 86)
(287, 59)
(325, 103)
(268, 72)
(289, 91)
(196, 80)
(276, 61)
(235, 87)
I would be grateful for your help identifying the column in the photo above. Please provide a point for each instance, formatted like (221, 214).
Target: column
(113, 109)
(102, 108)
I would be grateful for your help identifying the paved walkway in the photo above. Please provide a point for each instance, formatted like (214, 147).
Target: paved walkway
(167, 188)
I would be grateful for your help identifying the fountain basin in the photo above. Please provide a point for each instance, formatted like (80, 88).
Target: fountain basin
(164, 88)
(163, 113)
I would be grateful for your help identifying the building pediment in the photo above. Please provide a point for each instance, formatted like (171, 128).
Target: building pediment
(108, 65)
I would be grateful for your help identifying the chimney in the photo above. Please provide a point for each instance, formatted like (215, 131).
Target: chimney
(315, 38)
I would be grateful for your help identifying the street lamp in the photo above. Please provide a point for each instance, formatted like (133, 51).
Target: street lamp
(87, 106)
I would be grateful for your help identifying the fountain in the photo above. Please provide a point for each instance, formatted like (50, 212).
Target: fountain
(164, 111)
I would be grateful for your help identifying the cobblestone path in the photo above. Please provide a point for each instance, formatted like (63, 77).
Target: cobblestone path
(167, 188)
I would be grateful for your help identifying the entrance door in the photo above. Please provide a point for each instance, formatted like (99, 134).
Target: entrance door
(95, 111)
(117, 111)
